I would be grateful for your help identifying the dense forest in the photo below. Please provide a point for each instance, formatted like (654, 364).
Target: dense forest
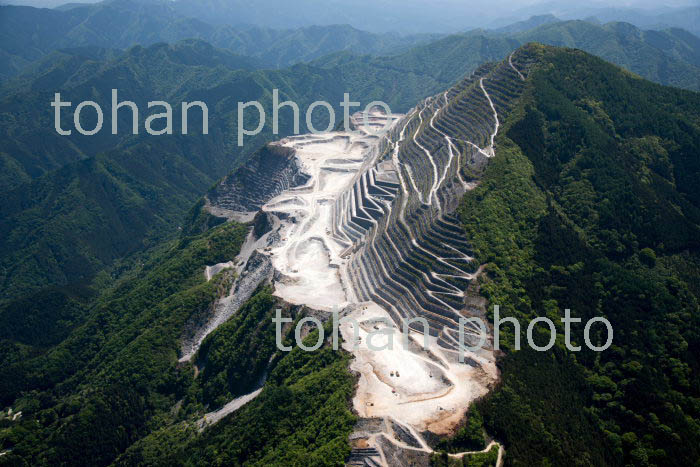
(302, 417)
(111, 389)
(89, 397)
(592, 204)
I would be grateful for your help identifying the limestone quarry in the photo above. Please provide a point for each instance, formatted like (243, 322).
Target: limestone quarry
(365, 224)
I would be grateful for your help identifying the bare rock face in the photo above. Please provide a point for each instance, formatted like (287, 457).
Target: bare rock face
(408, 259)
(367, 224)
(396, 455)
(258, 270)
(267, 173)
(262, 224)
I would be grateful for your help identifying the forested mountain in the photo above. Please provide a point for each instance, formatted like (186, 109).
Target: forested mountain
(159, 72)
(75, 203)
(58, 185)
(590, 203)
(392, 15)
(101, 372)
(62, 173)
(193, 70)
(562, 178)
(28, 34)
(668, 57)
(653, 15)
(531, 23)
(441, 16)
(685, 17)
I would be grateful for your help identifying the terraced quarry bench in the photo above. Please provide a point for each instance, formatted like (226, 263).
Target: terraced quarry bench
(366, 224)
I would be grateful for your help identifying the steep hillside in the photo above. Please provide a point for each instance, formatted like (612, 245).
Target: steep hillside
(549, 180)
(112, 383)
(667, 57)
(96, 390)
(30, 33)
(370, 227)
(193, 70)
(670, 57)
(70, 177)
(76, 203)
(580, 195)
(591, 204)
(160, 72)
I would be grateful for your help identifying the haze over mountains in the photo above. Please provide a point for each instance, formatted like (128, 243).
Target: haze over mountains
(536, 177)
(669, 56)
(417, 16)
(28, 34)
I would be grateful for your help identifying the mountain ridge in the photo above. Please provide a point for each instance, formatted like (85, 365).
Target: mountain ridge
(27, 34)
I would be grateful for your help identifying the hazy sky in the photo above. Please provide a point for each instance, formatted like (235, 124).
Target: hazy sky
(443, 16)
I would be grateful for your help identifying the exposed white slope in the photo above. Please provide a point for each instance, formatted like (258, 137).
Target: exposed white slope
(211, 271)
(241, 290)
(308, 257)
(428, 394)
(495, 116)
(213, 417)
(415, 388)
(432, 389)
(421, 390)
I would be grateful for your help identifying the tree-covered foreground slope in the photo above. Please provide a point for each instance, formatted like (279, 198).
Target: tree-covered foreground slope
(669, 57)
(592, 204)
(90, 395)
(113, 391)
(302, 417)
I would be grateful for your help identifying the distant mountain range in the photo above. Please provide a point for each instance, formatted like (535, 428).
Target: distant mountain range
(655, 16)
(531, 23)
(669, 57)
(27, 34)
(413, 16)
